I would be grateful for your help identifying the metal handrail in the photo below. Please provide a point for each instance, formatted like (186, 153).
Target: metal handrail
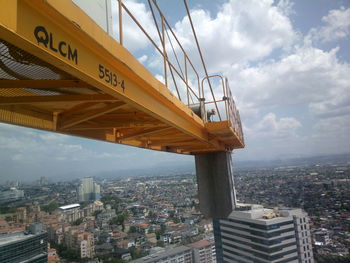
(231, 112)
(163, 30)
(201, 56)
(165, 26)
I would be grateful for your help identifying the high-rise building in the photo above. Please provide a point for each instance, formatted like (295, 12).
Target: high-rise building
(88, 190)
(29, 246)
(10, 195)
(256, 234)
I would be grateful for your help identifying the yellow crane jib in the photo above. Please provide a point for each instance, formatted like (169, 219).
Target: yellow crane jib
(61, 72)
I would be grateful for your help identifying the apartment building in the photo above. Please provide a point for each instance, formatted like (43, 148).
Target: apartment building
(255, 234)
(80, 241)
(203, 251)
(181, 254)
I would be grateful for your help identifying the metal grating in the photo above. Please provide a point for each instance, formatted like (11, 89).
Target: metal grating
(17, 64)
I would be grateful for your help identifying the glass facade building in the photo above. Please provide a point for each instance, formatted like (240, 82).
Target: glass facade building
(263, 235)
(23, 247)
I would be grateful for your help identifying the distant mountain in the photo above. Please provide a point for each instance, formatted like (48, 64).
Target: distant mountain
(321, 159)
(166, 168)
(178, 167)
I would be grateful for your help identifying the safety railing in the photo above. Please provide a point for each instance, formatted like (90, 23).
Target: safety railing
(165, 32)
(226, 106)
(196, 97)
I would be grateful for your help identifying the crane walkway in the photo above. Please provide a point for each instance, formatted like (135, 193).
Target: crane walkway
(61, 72)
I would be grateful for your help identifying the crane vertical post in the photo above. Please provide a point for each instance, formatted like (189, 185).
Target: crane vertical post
(120, 16)
(164, 53)
(216, 189)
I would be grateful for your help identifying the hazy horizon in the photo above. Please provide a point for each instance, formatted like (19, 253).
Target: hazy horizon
(288, 67)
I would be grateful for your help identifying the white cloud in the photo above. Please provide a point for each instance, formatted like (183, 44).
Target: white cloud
(160, 78)
(143, 59)
(337, 24)
(28, 146)
(296, 101)
(133, 38)
(287, 7)
(240, 32)
(53, 137)
(308, 76)
(271, 126)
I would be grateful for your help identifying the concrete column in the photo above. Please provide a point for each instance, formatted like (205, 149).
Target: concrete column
(216, 190)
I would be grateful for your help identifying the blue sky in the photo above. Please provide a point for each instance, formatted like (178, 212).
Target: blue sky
(289, 71)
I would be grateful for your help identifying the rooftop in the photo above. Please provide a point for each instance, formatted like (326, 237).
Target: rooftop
(14, 237)
(69, 206)
(158, 256)
(200, 244)
(264, 215)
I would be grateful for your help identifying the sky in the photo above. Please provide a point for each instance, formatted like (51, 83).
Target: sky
(288, 65)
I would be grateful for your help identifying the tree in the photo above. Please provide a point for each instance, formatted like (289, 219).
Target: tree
(171, 214)
(68, 254)
(137, 253)
(118, 220)
(7, 210)
(132, 229)
(151, 214)
(160, 243)
(49, 208)
(96, 213)
(162, 229)
(331, 259)
(109, 259)
(77, 222)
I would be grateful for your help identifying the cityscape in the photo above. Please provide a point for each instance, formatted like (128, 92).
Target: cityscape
(154, 218)
(184, 131)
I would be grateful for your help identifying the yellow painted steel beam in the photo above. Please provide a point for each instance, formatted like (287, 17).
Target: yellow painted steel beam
(55, 99)
(143, 133)
(177, 144)
(69, 122)
(63, 36)
(41, 84)
(31, 111)
(96, 53)
(80, 108)
(127, 115)
(115, 125)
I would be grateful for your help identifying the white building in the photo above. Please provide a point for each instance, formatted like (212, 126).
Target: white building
(203, 251)
(11, 194)
(70, 213)
(88, 190)
(321, 237)
(181, 254)
(259, 235)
